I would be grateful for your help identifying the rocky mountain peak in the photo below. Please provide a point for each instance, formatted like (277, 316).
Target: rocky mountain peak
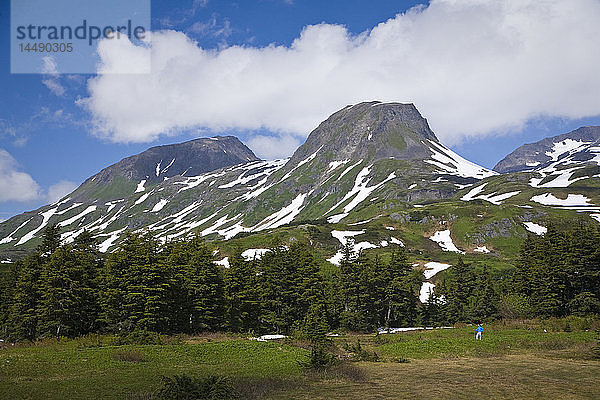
(189, 158)
(371, 130)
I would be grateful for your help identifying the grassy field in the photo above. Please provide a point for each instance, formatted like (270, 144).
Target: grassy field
(441, 363)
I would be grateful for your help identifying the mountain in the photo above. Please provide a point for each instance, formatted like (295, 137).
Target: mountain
(579, 146)
(372, 171)
(158, 163)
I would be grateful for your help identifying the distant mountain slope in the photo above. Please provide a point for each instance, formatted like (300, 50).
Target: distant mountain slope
(580, 145)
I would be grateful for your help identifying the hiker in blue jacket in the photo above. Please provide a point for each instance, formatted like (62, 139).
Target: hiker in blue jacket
(478, 332)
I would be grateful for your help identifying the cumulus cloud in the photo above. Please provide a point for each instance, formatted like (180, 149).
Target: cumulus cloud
(273, 147)
(15, 185)
(60, 190)
(472, 67)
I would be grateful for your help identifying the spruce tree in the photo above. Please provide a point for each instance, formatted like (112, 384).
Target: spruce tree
(22, 319)
(241, 293)
(68, 303)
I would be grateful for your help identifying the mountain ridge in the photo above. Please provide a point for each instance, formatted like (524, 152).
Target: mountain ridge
(368, 161)
(534, 155)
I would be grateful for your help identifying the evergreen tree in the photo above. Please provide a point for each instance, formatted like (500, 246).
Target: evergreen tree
(485, 300)
(400, 287)
(50, 240)
(68, 304)
(135, 287)
(243, 304)
(22, 319)
(204, 284)
(457, 291)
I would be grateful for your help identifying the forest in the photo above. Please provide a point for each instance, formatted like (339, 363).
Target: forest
(175, 287)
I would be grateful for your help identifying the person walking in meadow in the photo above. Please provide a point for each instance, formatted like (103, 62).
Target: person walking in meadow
(478, 332)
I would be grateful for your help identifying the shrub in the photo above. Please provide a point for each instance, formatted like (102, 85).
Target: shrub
(319, 358)
(140, 337)
(359, 353)
(183, 387)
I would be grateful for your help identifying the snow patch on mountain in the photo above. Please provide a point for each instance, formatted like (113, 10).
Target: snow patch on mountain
(426, 289)
(566, 146)
(140, 186)
(348, 169)
(493, 198)
(433, 267)
(112, 238)
(450, 162)
(334, 164)
(283, 216)
(481, 249)
(224, 262)
(342, 236)
(548, 199)
(535, 228)
(46, 215)
(443, 239)
(159, 206)
(82, 214)
(393, 240)
(360, 191)
(251, 254)
(142, 198)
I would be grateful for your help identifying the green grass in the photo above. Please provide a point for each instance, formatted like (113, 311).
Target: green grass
(460, 343)
(63, 371)
(443, 363)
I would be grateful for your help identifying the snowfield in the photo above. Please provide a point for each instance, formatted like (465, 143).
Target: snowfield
(548, 199)
(493, 198)
(433, 267)
(451, 163)
(252, 254)
(426, 289)
(443, 239)
(140, 186)
(535, 228)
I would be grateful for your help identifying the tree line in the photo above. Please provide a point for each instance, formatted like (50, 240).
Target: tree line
(176, 287)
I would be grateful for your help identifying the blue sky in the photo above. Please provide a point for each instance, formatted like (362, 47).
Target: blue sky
(51, 140)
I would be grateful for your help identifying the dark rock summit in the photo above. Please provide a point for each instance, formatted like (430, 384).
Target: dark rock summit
(370, 130)
(188, 158)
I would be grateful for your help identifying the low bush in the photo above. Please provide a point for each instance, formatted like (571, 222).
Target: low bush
(320, 358)
(140, 337)
(359, 353)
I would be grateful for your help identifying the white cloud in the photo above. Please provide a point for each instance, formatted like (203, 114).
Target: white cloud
(273, 147)
(15, 185)
(60, 190)
(472, 67)
(51, 77)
